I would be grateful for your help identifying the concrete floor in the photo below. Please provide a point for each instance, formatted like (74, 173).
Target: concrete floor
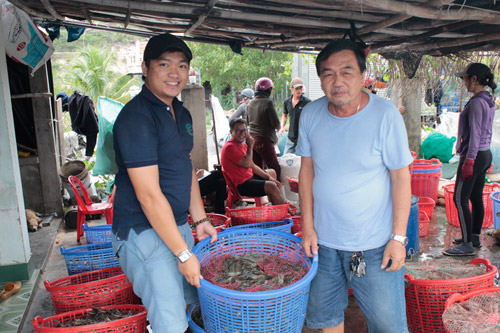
(52, 265)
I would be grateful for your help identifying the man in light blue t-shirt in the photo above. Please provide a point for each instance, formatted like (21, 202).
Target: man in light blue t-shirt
(355, 196)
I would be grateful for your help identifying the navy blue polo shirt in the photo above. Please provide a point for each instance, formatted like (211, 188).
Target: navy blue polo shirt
(145, 133)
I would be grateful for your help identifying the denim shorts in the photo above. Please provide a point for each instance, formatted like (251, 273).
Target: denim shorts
(380, 294)
(152, 269)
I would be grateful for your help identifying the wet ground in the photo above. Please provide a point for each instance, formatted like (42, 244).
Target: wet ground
(440, 236)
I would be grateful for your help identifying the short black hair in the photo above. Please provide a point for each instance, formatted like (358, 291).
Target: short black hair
(234, 121)
(338, 45)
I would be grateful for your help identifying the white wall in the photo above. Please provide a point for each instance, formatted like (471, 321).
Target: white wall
(14, 241)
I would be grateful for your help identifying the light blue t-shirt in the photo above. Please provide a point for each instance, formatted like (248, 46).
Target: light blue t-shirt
(352, 157)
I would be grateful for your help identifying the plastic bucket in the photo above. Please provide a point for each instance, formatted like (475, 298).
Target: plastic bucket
(75, 168)
(412, 230)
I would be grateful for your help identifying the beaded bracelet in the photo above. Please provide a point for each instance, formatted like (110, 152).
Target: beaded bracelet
(193, 226)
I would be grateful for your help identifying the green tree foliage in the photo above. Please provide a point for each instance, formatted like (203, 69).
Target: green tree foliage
(229, 72)
(91, 74)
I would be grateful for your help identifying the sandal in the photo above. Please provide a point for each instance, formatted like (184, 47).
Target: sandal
(10, 289)
(456, 252)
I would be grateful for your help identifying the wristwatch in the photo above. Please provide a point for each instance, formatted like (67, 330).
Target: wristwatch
(184, 256)
(402, 239)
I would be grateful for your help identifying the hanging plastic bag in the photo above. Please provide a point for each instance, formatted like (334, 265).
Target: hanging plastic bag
(107, 110)
(23, 41)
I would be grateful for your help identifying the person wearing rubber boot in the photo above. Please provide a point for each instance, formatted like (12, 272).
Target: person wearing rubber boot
(475, 127)
(355, 196)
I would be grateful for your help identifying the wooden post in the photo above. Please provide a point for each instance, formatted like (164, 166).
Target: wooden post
(60, 132)
(193, 97)
(42, 114)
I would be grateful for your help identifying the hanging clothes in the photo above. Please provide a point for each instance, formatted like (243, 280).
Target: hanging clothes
(84, 119)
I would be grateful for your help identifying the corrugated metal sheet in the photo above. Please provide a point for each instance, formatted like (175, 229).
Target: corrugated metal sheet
(314, 87)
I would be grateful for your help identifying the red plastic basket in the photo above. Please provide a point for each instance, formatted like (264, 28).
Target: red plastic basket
(242, 216)
(423, 223)
(294, 184)
(425, 299)
(427, 205)
(425, 178)
(102, 287)
(420, 165)
(456, 298)
(219, 221)
(293, 209)
(451, 209)
(297, 224)
(414, 155)
(133, 324)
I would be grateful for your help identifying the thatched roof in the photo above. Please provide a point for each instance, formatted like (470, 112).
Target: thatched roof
(392, 28)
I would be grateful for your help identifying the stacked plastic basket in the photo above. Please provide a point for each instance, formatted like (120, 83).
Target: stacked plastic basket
(97, 254)
(281, 310)
(425, 178)
(95, 281)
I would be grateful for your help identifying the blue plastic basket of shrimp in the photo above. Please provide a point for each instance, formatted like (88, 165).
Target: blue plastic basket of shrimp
(89, 257)
(285, 225)
(280, 310)
(98, 233)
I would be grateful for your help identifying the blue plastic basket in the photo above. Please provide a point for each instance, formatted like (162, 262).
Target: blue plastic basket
(495, 197)
(90, 257)
(285, 225)
(192, 325)
(98, 233)
(281, 310)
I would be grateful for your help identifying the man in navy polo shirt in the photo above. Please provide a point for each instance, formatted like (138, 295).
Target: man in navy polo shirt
(157, 187)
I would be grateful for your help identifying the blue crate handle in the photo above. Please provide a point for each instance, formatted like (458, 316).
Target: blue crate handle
(75, 249)
(103, 227)
(285, 225)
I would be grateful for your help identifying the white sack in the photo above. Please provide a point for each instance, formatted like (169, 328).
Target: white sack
(23, 41)
(290, 167)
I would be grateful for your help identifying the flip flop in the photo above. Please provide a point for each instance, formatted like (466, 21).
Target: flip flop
(10, 289)
(456, 252)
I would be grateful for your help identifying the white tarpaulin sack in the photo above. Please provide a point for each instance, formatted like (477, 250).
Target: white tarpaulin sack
(290, 167)
(23, 41)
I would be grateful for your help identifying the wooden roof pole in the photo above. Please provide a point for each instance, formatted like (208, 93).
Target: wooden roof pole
(208, 8)
(46, 4)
